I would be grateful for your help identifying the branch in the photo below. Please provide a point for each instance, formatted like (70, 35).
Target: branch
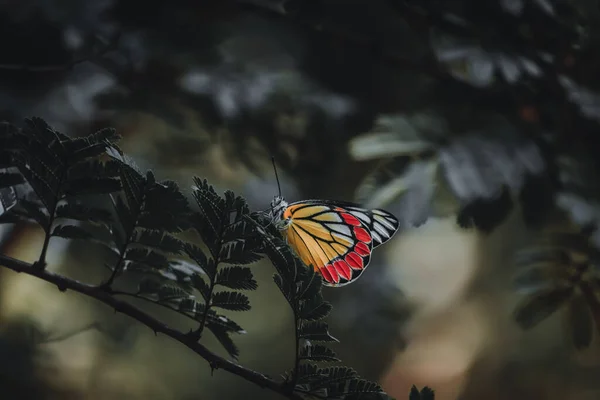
(215, 361)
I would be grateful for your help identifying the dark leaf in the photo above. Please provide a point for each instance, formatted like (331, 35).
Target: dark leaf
(310, 285)
(226, 323)
(414, 393)
(580, 322)
(71, 232)
(318, 352)
(197, 255)
(35, 212)
(94, 169)
(159, 240)
(542, 256)
(316, 331)
(125, 218)
(45, 191)
(133, 184)
(164, 221)
(308, 373)
(427, 394)
(191, 307)
(212, 212)
(239, 230)
(333, 375)
(536, 308)
(223, 337)
(486, 214)
(81, 212)
(8, 179)
(363, 386)
(92, 145)
(536, 278)
(168, 293)
(314, 309)
(240, 252)
(91, 185)
(236, 278)
(233, 301)
(147, 257)
(8, 199)
(286, 290)
(199, 284)
(149, 287)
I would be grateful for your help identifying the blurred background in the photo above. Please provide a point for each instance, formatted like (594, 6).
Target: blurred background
(353, 98)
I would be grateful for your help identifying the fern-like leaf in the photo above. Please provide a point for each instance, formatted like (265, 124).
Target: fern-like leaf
(317, 353)
(425, 394)
(158, 240)
(80, 212)
(236, 277)
(71, 232)
(233, 301)
(315, 331)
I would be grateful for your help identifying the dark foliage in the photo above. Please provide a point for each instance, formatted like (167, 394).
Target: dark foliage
(140, 232)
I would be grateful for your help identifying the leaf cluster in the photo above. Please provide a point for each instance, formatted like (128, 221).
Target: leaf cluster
(561, 273)
(301, 287)
(138, 221)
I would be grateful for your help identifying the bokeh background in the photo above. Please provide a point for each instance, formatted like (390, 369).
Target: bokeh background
(214, 88)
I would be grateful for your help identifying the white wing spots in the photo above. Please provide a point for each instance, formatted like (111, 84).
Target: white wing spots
(361, 215)
(387, 222)
(381, 230)
(385, 225)
(343, 229)
(344, 240)
(376, 239)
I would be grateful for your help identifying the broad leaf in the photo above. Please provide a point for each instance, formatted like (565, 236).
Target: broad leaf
(538, 307)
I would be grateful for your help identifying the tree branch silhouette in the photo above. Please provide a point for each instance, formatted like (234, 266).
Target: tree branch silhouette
(106, 297)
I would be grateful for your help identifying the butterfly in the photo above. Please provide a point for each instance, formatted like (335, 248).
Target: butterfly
(336, 238)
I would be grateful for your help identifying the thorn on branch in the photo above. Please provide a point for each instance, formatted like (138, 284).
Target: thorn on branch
(39, 265)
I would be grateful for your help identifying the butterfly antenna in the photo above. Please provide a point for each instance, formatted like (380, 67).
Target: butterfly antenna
(276, 175)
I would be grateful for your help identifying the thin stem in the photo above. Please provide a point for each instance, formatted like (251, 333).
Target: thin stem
(217, 362)
(297, 360)
(198, 331)
(117, 268)
(123, 250)
(51, 217)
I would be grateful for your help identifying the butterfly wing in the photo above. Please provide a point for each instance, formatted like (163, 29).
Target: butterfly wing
(337, 238)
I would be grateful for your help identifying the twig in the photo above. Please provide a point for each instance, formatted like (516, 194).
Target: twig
(215, 361)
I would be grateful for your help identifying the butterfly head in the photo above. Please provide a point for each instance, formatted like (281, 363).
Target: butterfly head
(278, 207)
